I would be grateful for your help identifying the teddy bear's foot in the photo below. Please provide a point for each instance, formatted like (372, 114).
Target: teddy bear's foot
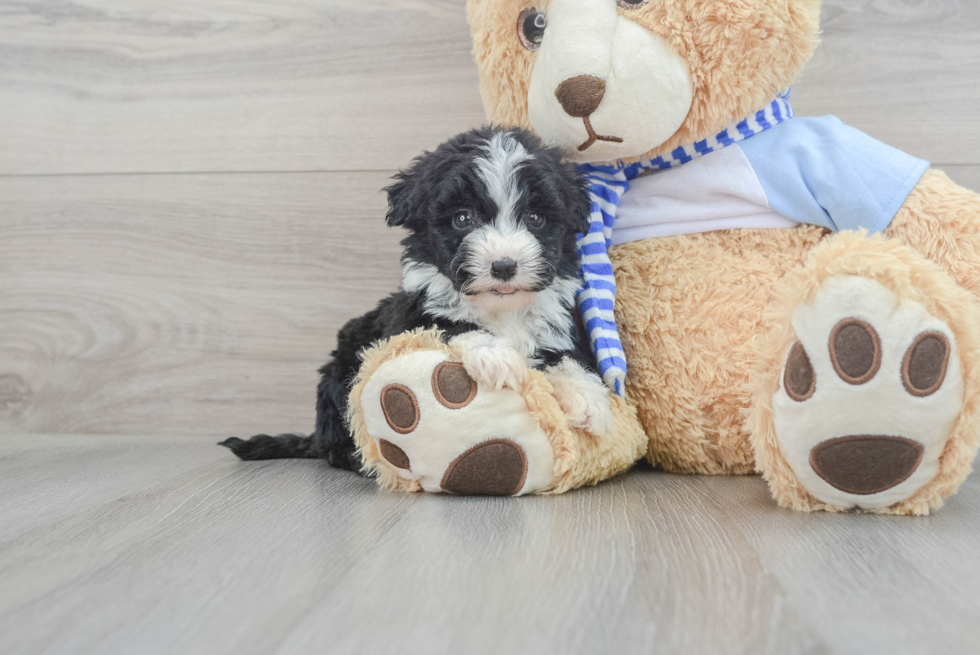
(468, 417)
(870, 392)
(867, 391)
(442, 430)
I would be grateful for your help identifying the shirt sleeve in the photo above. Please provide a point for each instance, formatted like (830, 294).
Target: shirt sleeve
(822, 172)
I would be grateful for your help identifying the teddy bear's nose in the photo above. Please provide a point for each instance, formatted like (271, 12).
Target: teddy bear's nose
(580, 96)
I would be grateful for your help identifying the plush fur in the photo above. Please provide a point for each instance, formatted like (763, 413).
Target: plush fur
(690, 338)
(697, 313)
(484, 197)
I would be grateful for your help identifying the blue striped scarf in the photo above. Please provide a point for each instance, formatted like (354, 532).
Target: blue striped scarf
(607, 184)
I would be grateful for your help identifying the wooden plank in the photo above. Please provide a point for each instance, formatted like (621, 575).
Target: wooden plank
(230, 85)
(47, 478)
(905, 73)
(257, 85)
(875, 584)
(644, 563)
(221, 559)
(184, 304)
(293, 556)
(968, 176)
(194, 305)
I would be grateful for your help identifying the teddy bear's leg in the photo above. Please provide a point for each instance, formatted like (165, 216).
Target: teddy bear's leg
(941, 221)
(866, 392)
(469, 417)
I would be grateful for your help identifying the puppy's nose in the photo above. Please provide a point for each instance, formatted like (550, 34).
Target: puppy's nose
(503, 269)
(580, 96)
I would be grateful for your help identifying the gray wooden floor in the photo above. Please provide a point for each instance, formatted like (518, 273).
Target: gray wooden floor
(114, 544)
(190, 208)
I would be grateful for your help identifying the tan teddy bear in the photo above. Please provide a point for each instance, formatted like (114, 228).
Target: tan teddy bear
(791, 296)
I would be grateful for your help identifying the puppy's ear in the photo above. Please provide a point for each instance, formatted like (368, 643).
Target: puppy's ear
(582, 212)
(400, 206)
(577, 199)
(408, 197)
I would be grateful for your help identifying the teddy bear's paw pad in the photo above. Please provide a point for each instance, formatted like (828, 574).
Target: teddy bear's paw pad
(870, 392)
(453, 386)
(400, 407)
(394, 455)
(865, 465)
(432, 422)
(494, 468)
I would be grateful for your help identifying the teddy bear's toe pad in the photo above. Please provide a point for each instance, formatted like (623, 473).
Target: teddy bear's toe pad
(433, 423)
(869, 395)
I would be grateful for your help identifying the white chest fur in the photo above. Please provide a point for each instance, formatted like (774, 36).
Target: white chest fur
(545, 324)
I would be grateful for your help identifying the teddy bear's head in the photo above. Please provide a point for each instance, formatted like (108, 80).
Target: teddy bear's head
(623, 79)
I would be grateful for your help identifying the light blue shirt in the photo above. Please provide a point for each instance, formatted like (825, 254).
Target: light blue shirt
(822, 172)
(805, 170)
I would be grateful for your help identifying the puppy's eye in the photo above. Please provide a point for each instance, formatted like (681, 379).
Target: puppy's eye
(631, 4)
(530, 27)
(463, 220)
(534, 221)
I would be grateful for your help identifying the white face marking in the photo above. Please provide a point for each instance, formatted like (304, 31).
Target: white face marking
(504, 237)
(498, 170)
(543, 321)
(494, 242)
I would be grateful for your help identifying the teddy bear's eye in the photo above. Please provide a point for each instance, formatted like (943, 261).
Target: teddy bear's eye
(631, 4)
(530, 28)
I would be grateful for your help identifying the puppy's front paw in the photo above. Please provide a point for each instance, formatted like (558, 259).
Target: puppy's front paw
(582, 396)
(491, 361)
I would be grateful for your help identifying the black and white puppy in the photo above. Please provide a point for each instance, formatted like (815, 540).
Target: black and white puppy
(490, 259)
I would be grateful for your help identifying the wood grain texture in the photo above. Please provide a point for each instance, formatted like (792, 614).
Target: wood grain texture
(906, 72)
(186, 304)
(855, 573)
(198, 304)
(209, 555)
(47, 478)
(91, 86)
(967, 176)
(230, 85)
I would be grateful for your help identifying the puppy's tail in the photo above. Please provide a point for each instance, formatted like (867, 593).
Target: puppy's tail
(262, 446)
